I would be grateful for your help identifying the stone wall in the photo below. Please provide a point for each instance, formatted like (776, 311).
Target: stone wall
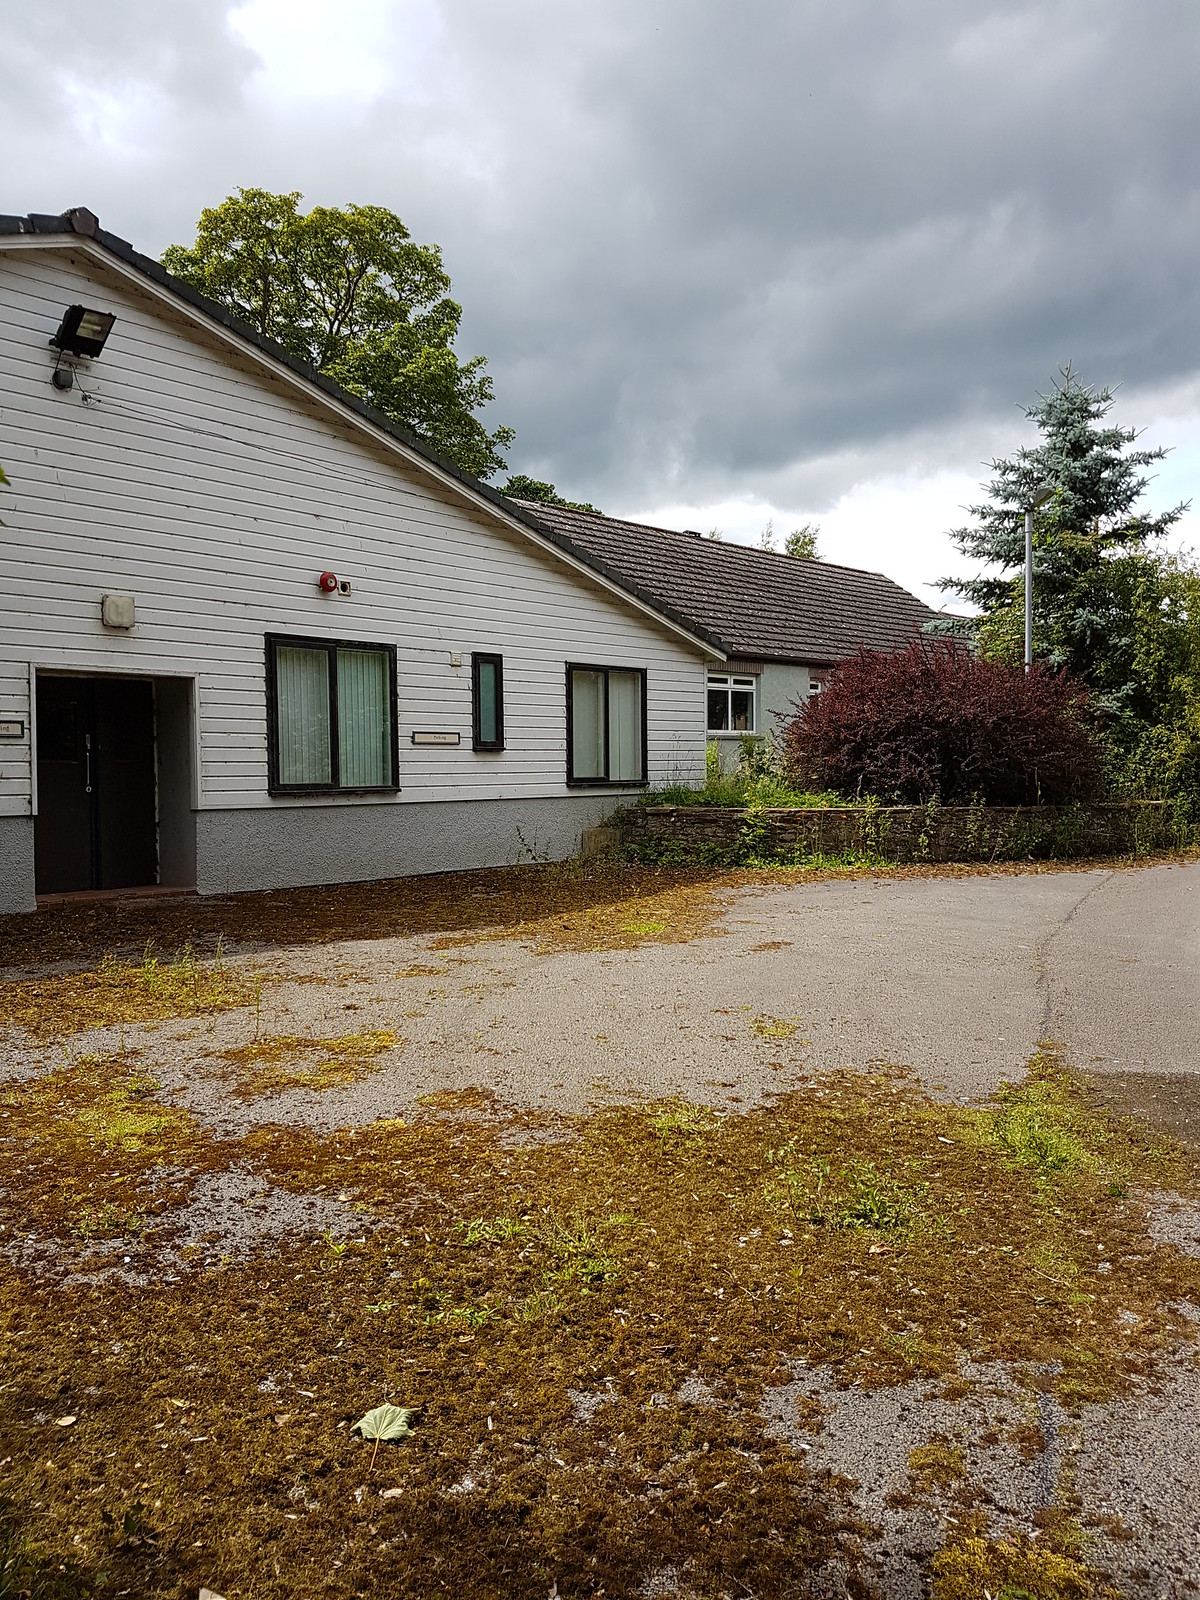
(892, 833)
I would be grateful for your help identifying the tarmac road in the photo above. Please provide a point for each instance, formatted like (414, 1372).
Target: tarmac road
(957, 979)
(962, 978)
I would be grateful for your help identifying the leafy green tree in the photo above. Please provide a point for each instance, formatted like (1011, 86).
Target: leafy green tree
(1163, 742)
(520, 487)
(801, 543)
(347, 291)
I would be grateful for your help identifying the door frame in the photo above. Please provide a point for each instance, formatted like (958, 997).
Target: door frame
(83, 669)
(148, 672)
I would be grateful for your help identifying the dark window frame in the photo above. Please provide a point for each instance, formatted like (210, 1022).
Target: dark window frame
(481, 658)
(603, 783)
(331, 647)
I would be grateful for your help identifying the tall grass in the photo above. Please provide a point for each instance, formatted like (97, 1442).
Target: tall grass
(756, 781)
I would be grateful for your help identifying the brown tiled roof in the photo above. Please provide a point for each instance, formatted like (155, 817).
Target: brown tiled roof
(759, 604)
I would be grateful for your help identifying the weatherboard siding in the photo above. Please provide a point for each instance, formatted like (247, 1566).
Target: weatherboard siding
(215, 494)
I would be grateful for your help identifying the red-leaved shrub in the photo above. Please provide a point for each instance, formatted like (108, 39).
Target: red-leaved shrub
(934, 722)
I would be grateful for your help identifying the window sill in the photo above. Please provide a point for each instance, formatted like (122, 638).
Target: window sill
(607, 783)
(732, 733)
(328, 792)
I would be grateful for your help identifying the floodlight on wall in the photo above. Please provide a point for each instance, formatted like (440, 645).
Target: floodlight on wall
(81, 332)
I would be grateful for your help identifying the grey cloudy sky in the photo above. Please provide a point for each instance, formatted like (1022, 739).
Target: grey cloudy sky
(789, 258)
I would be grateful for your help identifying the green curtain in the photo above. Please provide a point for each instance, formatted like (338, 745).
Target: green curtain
(625, 726)
(364, 726)
(302, 705)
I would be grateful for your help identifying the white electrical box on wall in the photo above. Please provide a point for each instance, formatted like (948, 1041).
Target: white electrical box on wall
(117, 611)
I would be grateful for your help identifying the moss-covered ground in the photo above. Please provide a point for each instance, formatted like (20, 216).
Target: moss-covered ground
(585, 1313)
(117, 991)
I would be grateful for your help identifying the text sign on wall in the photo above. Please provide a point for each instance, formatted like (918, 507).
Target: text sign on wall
(12, 728)
(423, 737)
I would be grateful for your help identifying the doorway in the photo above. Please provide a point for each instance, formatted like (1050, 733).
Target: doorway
(97, 825)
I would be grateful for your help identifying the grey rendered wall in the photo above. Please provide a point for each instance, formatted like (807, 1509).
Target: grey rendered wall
(16, 864)
(779, 685)
(288, 846)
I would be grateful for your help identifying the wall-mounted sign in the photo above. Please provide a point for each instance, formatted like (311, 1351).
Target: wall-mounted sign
(12, 727)
(423, 737)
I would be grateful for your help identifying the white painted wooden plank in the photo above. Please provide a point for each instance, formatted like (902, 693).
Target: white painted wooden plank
(216, 496)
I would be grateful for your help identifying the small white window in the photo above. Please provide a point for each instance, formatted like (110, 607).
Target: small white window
(731, 704)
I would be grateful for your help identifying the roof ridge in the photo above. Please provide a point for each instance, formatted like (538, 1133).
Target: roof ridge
(789, 609)
(725, 544)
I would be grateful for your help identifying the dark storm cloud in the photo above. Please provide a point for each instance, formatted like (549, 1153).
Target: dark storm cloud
(708, 246)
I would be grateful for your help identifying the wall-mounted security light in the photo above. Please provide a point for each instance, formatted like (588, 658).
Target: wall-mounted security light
(80, 333)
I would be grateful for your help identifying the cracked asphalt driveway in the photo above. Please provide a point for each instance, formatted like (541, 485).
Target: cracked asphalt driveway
(961, 978)
(958, 979)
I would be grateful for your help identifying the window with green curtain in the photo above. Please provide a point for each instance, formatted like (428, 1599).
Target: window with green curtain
(625, 726)
(364, 727)
(302, 715)
(607, 740)
(332, 714)
(587, 723)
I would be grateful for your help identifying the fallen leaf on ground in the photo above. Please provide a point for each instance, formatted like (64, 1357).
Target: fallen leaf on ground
(386, 1423)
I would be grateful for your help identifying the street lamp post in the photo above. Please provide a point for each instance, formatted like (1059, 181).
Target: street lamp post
(1038, 498)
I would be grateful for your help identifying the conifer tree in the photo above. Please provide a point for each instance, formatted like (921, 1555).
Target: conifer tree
(1091, 540)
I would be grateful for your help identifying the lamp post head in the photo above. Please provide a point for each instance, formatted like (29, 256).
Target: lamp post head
(1043, 492)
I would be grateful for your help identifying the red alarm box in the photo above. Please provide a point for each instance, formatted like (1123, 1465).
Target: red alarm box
(327, 583)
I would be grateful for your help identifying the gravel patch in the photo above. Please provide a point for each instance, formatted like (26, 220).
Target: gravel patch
(1010, 1437)
(1175, 1220)
(225, 1217)
(1124, 1469)
(1135, 1466)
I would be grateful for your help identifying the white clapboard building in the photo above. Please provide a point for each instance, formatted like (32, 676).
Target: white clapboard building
(255, 636)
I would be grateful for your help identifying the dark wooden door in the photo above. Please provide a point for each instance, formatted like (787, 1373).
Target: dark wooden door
(126, 822)
(96, 824)
(64, 833)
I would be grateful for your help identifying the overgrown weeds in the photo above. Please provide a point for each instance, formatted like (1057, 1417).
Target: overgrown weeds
(851, 1196)
(580, 1246)
(679, 1119)
(127, 992)
(292, 1061)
